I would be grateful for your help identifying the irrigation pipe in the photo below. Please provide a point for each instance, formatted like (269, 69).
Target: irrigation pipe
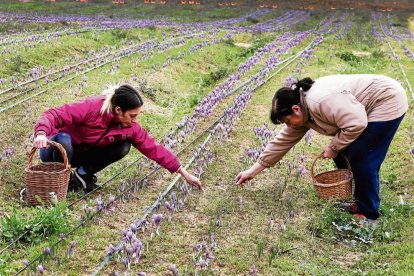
(118, 52)
(289, 60)
(172, 184)
(71, 78)
(399, 64)
(150, 209)
(138, 159)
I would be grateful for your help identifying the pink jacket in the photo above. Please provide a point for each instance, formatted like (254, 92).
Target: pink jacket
(83, 122)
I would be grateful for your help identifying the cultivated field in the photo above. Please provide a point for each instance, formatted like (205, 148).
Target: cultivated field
(207, 77)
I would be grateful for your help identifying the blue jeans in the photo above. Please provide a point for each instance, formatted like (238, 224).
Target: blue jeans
(365, 156)
(91, 158)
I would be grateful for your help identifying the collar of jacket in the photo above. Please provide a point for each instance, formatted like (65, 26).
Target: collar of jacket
(304, 108)
(110, 118)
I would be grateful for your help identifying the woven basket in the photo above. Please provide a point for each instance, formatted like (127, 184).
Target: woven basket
(335, 184)
(46, 178)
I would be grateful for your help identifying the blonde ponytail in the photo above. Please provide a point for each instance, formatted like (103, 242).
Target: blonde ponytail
(107, 105)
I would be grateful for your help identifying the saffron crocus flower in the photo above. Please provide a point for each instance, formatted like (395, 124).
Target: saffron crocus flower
(126, 263)
(254, 270)
(111, 249)
(213, 244)
(156, 219)
(26, 262)
(180, 204)
(99, 204)
(302, 170)
(62, 236)
(40, 269)
(209, 256)
(71, 248)
(112, 203)
(136, 247)
(174, 270)
(168, 206)
(129, 236)
(201, 263)
(128, 251)
(198, 247)
(47, 251)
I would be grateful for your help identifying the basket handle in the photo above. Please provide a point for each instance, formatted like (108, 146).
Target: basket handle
(320, 156)
(58, 146)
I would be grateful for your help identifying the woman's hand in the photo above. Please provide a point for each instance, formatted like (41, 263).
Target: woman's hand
(249, 174)
(191, 179)
(329, 152)
(40, 141)
(243, 177)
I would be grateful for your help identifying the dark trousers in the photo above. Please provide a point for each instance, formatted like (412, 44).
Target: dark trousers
(365, 156)
(92, 159)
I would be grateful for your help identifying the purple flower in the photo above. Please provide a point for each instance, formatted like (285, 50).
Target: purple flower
(26, 262)
(128, 250)
(290, 81)
(174, 270)
(129, 235)
(62, 236)
(47, 251)
(111, 249)
(168, 206)
(302, 170)
(254, 270)
(201, 263)
(156, 220)
(40, 269)
(209, 256)
(99, 204)
(126, 263)
(180, 204)
(198, 247)
(71, 248)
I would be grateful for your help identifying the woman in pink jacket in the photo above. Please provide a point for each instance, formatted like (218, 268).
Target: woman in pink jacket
(361, 112)
(99, 131)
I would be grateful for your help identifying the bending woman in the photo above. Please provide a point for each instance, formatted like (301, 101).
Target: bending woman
(361, 112)
(99, 131)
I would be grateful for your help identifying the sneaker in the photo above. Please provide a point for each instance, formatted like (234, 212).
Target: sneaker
(73, 185)
(87, 181)
(363, 221)
(350, 207)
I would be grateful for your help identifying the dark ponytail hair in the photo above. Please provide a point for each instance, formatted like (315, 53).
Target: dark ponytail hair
(124, 96)
(286, 97)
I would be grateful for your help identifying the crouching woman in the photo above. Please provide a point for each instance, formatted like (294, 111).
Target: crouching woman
(99, 131)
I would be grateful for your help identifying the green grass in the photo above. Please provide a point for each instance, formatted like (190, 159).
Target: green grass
(251, 225)
(131, 9)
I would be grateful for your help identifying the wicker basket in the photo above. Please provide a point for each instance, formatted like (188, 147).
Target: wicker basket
(46, 178)
(335, 184)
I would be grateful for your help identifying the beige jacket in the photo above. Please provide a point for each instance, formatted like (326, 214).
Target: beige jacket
(340, 106)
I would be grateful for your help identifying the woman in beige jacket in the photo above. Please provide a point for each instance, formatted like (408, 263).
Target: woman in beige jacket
(361, 112)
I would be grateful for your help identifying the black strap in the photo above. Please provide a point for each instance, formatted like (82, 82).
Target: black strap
(106, 132)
